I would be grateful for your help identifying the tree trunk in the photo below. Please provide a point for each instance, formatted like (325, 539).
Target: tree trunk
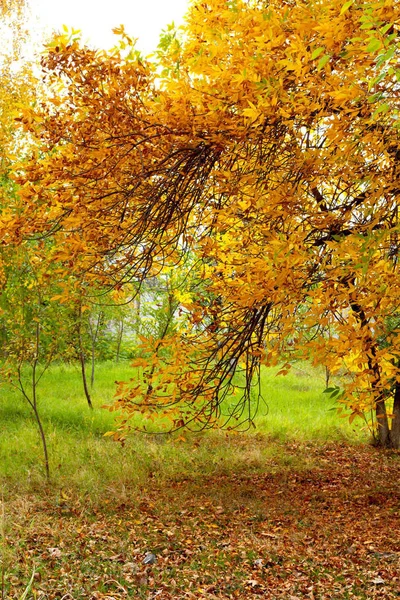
(395, 431)
(44, 442)
(119, 339)
(35, 402)
(383, 431)
(327, 377)
(383, 434)
(84, 379)
(82, 357)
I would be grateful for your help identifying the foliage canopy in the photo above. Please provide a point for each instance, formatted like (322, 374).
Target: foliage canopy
(264, 144)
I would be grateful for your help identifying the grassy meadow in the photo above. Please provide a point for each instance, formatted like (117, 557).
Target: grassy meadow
(295, 408)
(299, 507)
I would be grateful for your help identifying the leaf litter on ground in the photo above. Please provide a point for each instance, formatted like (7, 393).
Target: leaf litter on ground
(328, 531)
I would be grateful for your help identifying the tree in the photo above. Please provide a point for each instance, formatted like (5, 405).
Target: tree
(266, 140)
(26, 348)
(31, 326)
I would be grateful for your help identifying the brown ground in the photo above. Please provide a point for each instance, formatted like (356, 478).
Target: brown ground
(330, 531)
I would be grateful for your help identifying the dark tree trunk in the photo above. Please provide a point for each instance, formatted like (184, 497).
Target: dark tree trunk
(81, 356)
(384, 436)
(84, 379)
(395, 431)
(44, 442)
(32, 399)
(34, 404)
(383, 432)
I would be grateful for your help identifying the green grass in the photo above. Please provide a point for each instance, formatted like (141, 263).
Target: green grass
(208, 505)
(296, 407)
(82, 458)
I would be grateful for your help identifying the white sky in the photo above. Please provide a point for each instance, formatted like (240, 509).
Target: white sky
(143, 19)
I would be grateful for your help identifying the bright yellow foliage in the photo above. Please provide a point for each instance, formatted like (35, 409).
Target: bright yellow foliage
(265, 142)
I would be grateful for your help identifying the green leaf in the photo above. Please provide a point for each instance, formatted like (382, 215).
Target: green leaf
(389, 54)
(383, 108)
(374, 97)
(376, 80)
(346, 6)
(326, 58)
(374, 45)
(317, 52)
(368, 25)
(386, 28)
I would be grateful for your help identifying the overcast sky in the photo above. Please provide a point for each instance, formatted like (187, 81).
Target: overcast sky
(143, 19)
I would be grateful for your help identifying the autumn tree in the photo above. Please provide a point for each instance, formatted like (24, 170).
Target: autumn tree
(30, 327)
(266, 141)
